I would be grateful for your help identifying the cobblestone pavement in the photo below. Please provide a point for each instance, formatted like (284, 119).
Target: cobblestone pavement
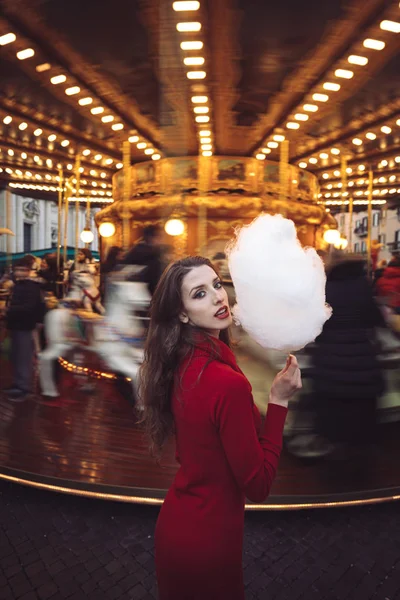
(55, 547)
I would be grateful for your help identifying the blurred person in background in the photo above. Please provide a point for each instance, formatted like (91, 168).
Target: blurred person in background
(147, 254)
(26, 309)
(388, 285)
(345, 375)
(114, 258)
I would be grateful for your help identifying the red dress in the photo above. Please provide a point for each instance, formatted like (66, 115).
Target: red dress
(225, 456)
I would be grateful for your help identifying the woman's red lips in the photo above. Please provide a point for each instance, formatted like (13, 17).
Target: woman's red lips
(222, 313)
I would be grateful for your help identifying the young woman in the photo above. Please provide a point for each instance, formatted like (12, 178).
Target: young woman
(192, 386)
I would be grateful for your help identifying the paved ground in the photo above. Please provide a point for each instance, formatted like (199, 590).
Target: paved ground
(55, 547)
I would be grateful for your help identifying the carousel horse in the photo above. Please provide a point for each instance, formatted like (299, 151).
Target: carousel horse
(117, 338)
(84, 293)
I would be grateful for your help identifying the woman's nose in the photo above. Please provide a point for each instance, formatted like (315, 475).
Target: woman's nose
(218, 296)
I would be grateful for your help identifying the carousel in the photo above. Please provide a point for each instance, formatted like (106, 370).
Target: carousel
(170, 118)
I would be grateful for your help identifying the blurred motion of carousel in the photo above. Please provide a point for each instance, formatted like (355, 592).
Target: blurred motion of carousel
(196, 116)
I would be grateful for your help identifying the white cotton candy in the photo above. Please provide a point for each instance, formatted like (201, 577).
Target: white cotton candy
(279, 285)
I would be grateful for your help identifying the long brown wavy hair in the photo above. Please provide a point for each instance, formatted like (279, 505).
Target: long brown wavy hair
(169, 342)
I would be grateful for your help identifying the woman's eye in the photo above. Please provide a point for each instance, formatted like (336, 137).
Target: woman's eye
(200, 294)
(218, 285)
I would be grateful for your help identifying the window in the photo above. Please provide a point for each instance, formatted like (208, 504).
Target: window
(342, 221)
(27, 237)
(358, 223)
(363, 247)
(382, 238)
(365, 222)
(376, 219)
(357, 247)
(397, 236)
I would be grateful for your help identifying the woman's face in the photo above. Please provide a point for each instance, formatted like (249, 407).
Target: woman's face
(81, 257)
(205, 302)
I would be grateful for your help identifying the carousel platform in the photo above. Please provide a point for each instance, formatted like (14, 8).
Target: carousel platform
(89, 443)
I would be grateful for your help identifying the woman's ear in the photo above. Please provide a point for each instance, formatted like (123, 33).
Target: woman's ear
(183, 318)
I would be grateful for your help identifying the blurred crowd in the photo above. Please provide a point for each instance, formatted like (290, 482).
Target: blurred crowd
(344, 372)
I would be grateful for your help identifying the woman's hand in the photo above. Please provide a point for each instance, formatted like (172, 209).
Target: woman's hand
(286, 383)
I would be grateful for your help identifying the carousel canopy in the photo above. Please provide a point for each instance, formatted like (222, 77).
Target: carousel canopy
(210, 77)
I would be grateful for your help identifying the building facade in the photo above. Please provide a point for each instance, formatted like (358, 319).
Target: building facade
(35, 224)
(385, 229)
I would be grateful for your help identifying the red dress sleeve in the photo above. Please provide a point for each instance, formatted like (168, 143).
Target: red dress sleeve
(252, 458)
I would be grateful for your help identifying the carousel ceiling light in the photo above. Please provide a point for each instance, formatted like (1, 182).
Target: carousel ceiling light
(86, 152)
(119, 165)
(333, 87)
(207, 153)
(43, 67)
(107, 119)
(117, 126)
(384, 163)
(324, 155)
(202, 119)
(272, 145)
(344, 73)
(279, 137)
(186, 6)
(266, 150)
(38, 132)
(149, 151)
(24, 54)
(358, 60)
(188, 27)
(52, 137)
(24, 156)
(93, 173)
(36, 158)
(7, 120)
(194, 61)
(205, 133)
(10, 152)
(85, 101)
(199, 99)
(208, 147)
(201, 110)
(7, 38)
(292, 125)
(357, 142)
(370, 135)
(310, 107)
(109, 161)
(196, 75)
(133, 139)
(192, 45)
(386, 129)
(320, 97)
(97, 110)
(397, 159)
(28, 174)
(390, 26)
(98, 157)
(361, 167)
(301, 117)
(65, 143)
(303, 165)
(141, 145)
(49, 163)
(398, 122)
(325, 176)
(205, 140)
(103, 175)
(22, 126)
(335, 151)
(156, 156)
(313, 160)
(349, 170)
(58, 79)
(71, 91)
(260, 156)
(373, 44)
